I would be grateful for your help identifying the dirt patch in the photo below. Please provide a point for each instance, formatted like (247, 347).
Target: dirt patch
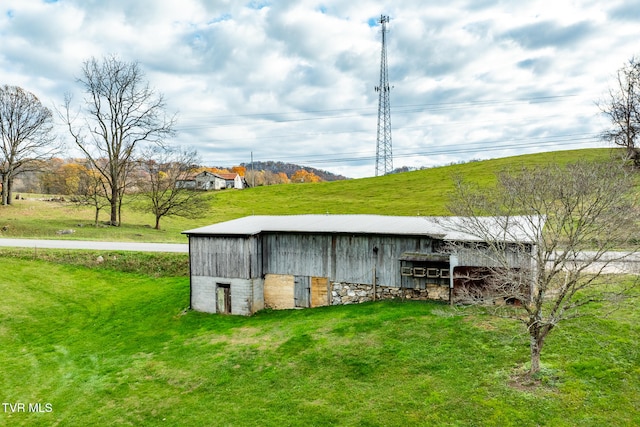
(524, 382)
(484, 324)
(541, 382)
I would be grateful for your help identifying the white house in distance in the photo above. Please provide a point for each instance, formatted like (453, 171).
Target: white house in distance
(245, 265)
(207, 180)
(233, 180)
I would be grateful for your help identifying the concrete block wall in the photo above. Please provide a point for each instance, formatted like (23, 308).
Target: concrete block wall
(241, 296)
(258, 295)
(203, 294)
(246, 294)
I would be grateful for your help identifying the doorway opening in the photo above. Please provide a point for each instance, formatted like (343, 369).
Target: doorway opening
(223, 298)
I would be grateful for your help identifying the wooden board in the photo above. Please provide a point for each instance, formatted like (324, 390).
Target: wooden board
(279, 291)
(319, 291)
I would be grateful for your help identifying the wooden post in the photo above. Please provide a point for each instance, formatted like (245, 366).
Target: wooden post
(453, 262)
(374, 283)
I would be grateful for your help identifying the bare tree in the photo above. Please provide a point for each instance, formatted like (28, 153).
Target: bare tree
(26, 135)
(165, 172)
(92, 190)
(578, 216)
(623, 110)
(120, 112)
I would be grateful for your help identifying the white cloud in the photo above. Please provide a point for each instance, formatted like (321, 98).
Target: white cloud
(293, 80)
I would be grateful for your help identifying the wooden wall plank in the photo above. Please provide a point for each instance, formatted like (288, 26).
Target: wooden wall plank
(319, 291)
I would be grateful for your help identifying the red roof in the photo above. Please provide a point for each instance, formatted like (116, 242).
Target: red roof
(230, 176)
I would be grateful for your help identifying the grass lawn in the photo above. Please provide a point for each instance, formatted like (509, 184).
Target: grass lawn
(423, 192)
(104, 347)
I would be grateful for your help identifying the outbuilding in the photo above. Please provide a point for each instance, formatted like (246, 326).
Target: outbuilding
(204, 180)
(233, 180)
(298, 261)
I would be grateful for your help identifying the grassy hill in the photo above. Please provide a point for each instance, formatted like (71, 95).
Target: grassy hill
(99, 347)
(421, 192)
(113, 343)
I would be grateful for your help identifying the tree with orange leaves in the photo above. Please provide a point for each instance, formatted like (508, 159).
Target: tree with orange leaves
(240, 170)
(304, 176)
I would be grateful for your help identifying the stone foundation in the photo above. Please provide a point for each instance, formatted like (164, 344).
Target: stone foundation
(354, 293)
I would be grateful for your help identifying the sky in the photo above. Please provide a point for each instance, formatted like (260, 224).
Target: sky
(294, 81)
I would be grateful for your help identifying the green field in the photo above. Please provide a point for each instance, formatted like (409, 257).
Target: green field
(114, 343)
(102, 347)
(422, 192)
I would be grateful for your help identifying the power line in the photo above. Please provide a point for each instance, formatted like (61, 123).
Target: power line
(369, 111)
(476, 147)
(461, 150)
(274, 118)
(291, 135)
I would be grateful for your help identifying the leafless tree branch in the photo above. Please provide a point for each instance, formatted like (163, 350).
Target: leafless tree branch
(580, 216)
(623, 110)
(162, 187)
(120, 111)
(25, 135)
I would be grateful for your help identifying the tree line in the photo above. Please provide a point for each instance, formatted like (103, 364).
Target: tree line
(122, 128)
(289, 169)
(157, 172)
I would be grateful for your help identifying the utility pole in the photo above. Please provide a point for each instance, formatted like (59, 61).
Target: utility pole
(253, 173)
(384, 155)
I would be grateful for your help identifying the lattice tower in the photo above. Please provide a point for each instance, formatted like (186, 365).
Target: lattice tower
(384, 155)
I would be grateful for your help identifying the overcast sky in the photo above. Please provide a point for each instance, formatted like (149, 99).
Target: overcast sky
(293, 81)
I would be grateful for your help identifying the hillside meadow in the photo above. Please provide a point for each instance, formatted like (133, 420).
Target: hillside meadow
(114, 343)
(423, 192)
(97, 346)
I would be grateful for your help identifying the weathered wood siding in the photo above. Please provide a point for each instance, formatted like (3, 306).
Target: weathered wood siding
(357, 256)
(234, 257)
(302, 291)
(339, 258)
(296, 254)
(485, 257)
(343, 258)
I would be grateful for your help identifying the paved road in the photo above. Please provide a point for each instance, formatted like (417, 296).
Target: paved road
(87, 244)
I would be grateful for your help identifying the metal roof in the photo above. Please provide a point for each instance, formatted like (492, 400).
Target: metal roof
(445, 228)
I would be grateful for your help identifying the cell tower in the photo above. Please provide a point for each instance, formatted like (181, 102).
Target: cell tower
(384, 156)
